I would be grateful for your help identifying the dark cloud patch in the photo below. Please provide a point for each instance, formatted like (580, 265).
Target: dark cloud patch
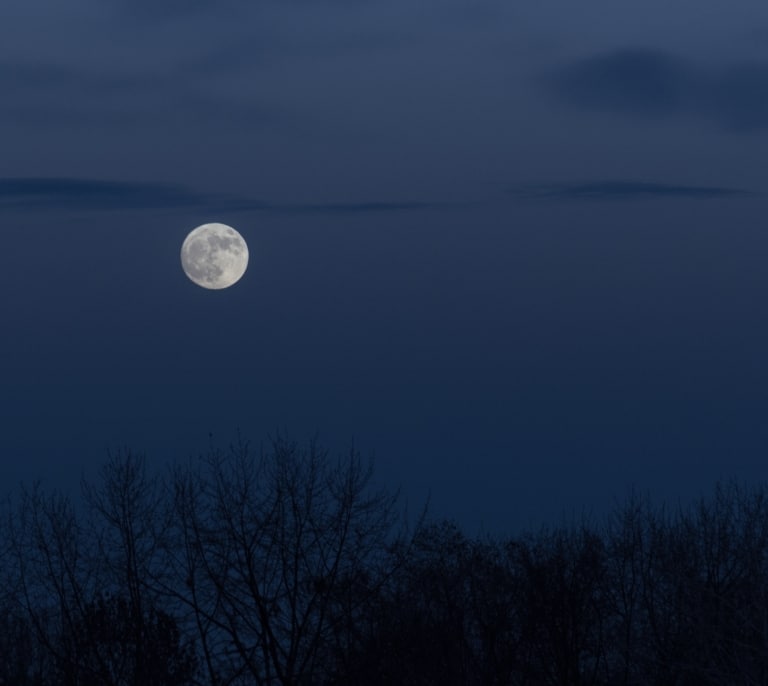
(46, 97)
(174, 9)
(738, 96)
(33, 76)
(629, 81)
(238, 56)
(88, 194)
(625, 190)
(653, 83)
(26, 79)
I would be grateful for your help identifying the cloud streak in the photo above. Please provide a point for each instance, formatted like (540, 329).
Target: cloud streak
(61, 193)
(350, 207)
(651, 83)
(624, 190)
(89, 194)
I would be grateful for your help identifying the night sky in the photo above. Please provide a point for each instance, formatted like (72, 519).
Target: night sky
(515, 250)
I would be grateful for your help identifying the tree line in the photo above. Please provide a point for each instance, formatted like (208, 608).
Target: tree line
(285, 566)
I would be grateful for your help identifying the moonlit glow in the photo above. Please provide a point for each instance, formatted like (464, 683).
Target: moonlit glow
(214, 256)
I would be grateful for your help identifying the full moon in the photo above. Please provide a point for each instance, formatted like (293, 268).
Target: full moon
(214, 256)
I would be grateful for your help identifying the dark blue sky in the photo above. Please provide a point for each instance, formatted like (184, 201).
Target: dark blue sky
(515, 249)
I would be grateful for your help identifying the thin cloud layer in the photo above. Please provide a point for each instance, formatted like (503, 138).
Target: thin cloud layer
(354, 207)
(57, 193)
(624, 190)
(654, 83)
(89, 194)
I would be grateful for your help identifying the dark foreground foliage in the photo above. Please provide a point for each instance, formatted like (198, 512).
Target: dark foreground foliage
(287, 568)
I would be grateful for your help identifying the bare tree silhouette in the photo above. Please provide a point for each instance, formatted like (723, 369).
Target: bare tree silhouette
(287, 567)
(271, 544)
